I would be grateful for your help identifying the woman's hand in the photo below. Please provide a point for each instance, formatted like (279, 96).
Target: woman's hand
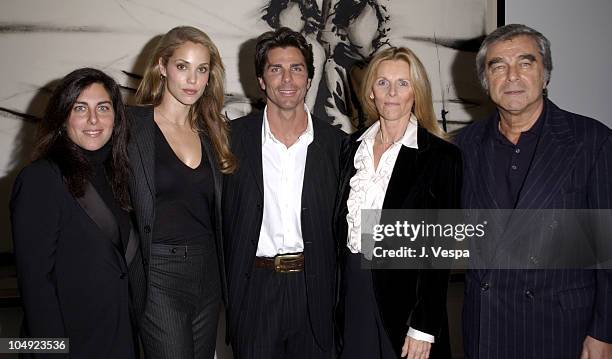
(415, 349)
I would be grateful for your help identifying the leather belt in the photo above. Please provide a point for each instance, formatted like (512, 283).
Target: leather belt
(282, 263)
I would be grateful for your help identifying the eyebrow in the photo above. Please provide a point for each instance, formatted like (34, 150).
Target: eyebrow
(496, 60)
(291, 65)
(183, 60)
(85, 103)
(529, 57)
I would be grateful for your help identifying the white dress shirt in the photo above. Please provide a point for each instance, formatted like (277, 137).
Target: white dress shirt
(283, 176)
(369, 185)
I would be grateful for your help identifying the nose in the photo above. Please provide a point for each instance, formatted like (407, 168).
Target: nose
(192, 77)
(287, 76)
(92, 116)
(392, 90)
(512, 73)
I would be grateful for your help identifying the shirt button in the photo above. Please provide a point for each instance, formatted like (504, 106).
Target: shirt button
(518, 150)
(147, 229)
(514, 167)
(529, 294)
(484, 286)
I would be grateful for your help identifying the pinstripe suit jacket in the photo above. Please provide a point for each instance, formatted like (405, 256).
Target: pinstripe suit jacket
(539, 313)
(141, 150)
(243, 212)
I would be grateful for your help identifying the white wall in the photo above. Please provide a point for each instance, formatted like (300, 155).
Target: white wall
(580, 33)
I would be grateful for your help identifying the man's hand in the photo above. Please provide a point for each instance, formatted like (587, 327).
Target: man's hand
(594, 349)
(415, 349)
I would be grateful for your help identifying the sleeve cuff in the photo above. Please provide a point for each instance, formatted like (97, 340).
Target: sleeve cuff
(419, 335)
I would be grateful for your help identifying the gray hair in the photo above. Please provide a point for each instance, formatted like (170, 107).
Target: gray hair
(509, 32)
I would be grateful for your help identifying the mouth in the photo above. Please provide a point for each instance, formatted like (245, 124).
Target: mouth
(190, 92)
(513, 92)
(287, 92)
(93, 133)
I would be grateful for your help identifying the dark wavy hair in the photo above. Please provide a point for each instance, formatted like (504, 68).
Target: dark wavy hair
(54, 144)
(282, 37)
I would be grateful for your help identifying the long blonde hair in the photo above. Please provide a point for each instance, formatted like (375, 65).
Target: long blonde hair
(423, 105)
(206, 114)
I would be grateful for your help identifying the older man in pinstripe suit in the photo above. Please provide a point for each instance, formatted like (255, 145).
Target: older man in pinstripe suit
(532, 155)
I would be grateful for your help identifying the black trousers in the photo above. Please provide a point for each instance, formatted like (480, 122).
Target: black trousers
(364, 335)
(182, 310)
(274, 322)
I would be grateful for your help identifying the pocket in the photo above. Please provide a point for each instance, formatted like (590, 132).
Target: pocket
(577, 298)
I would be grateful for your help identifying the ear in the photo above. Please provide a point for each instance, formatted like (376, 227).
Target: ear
(262, 84)
(308, 84)
(371, 95)
(162, 68)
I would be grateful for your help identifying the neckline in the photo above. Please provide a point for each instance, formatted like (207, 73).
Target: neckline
(161, 133)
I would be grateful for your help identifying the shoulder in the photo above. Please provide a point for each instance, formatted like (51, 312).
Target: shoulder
(327, 132)
(245, 122)
(140, 111)
(41, 170)
(42, 179)
(585, 129)
(473, 132)
(442, 148)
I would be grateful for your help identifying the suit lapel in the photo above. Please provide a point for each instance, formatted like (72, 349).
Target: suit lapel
(402, 181)
(144, 134)
(252, 150)
(553, 160)
(482, 171)
(96, 209)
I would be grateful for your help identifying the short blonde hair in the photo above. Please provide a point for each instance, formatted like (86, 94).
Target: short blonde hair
(423, 105)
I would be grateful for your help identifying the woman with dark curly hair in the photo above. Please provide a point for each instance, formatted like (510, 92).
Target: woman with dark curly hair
(71, 228)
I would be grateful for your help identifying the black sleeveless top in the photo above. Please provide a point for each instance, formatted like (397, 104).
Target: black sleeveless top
(184, 205)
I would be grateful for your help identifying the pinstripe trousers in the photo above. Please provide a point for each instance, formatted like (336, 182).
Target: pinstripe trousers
(274, 321)
(182, 310)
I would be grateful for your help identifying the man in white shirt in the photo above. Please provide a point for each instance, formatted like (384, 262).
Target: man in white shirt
(278, 212)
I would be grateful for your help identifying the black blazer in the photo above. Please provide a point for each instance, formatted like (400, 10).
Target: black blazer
(141, 151)
(425, 178)
(539, 313)
(72, 273)
(243, 212)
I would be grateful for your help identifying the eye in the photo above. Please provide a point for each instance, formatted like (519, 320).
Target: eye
(382, 82)
(525, 64)
(274, 70)
(297, 69)
(79, 108)
(181, 66)
(497, 68)
(104, 108)
(203, 69)
(404, 83)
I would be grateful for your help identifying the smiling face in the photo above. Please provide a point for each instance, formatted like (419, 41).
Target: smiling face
(186, 72)
(285, 79)
(392, 91)
(91, 120)
(515, 76)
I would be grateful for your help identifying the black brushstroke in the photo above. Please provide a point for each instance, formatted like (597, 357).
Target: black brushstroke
(10, 28)
(23, 116)
(467, 45)
(132, 75)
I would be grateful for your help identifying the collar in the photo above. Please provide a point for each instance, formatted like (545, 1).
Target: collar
(266, 133)
(409, 139)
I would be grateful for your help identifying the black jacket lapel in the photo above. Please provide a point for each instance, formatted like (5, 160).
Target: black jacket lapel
(96, 209)
(552, 162)
(252, 150)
